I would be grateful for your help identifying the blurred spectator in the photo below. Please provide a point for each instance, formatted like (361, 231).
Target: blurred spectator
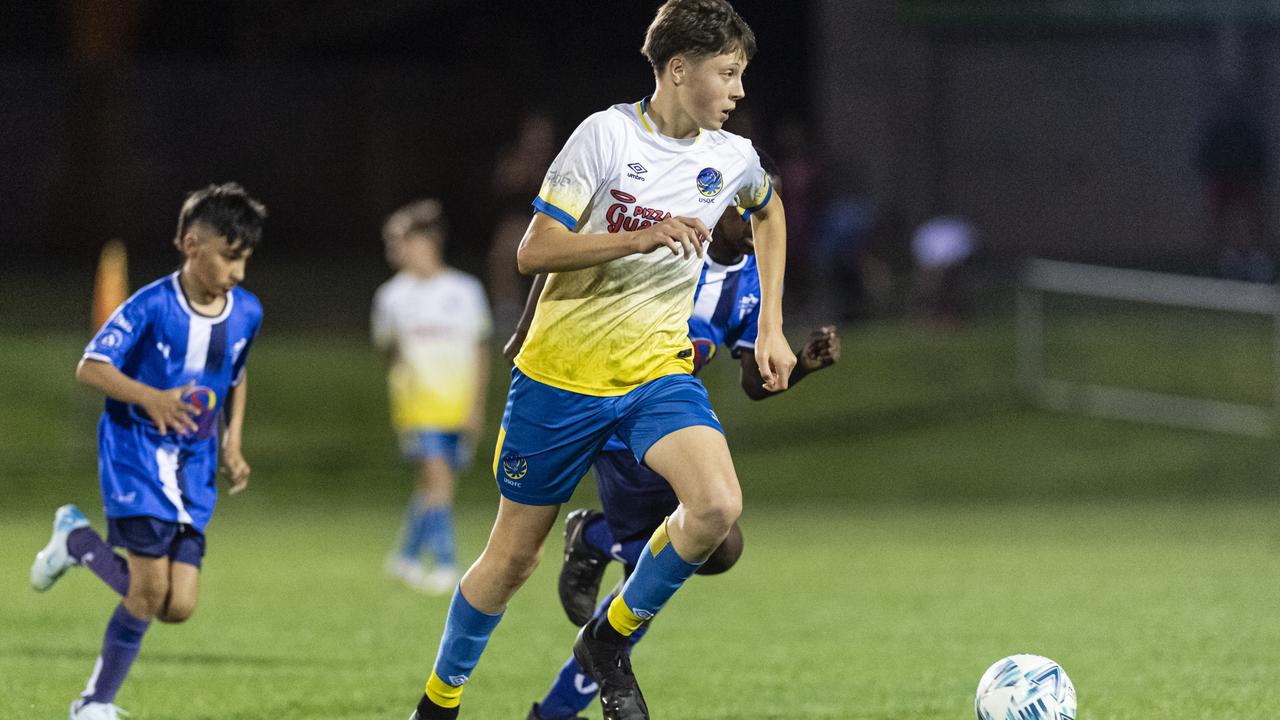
(842, 235)
(941, 248)
(1233, 160)
(1239, 255)
(802, 174)
(517, 177)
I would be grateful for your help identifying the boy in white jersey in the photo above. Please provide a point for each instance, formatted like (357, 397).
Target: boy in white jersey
(620, 226)
(433, 321)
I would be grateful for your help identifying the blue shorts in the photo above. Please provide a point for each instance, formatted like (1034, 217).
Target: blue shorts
(550, 436)
(634, 498)
(157, 538)
(424, 444)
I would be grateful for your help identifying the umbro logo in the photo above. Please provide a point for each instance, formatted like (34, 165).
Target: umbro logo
(636, 171)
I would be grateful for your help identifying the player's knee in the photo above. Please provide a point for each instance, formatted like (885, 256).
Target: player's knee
(149, 596)
(718, 512)
(177, 611)
(517, 565)
(725, 555)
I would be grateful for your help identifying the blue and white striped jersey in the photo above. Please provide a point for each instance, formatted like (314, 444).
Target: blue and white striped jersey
(156, 338)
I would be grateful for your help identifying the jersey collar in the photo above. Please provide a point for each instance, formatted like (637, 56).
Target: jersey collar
(646, 120)
(182, 300)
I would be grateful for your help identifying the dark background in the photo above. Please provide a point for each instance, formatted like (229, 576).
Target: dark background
(1075, 130)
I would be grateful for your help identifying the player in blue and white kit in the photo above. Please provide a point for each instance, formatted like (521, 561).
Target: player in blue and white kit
(635, 499)
(171, 362)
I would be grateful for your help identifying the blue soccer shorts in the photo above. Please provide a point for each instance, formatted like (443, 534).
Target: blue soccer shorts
(155, 538)
(424, 444)
(549, 436)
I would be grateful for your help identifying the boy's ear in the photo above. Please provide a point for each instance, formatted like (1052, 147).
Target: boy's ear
(676, 67)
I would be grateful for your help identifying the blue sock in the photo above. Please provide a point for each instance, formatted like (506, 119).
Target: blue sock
(598, 535)
(573, 690)
(466, 632)
(658, 575)
(439, 534)
(415, 528)
(120, 646)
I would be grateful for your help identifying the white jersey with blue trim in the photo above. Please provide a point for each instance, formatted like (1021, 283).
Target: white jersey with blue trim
(606, 329)
(158, 339)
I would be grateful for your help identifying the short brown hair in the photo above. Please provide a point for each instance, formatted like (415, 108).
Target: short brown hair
(420, 217)
(698, 29)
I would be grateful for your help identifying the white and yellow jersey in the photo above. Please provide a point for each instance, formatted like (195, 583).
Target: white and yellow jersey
(434, 326)
(606, 329)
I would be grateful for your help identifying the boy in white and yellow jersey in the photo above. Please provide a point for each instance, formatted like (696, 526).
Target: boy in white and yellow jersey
(619, 228)
(433, 322)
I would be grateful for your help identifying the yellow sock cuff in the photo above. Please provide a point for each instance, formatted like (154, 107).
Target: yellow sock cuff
(659, 539)
(621, 617)
(442, 693)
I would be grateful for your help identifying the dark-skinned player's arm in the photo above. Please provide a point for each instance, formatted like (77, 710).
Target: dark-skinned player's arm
(822, 350)
(516, 341)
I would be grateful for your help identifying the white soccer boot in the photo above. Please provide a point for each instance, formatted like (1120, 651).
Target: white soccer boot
(441, 580)
(81, 710)
(407, 571)
(54, 560)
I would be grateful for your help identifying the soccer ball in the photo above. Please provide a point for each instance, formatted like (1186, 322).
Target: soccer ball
(1025, 687)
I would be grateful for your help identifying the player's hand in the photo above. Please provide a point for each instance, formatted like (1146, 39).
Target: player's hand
(234, 465)
(775, 359)
(169, 411)
(684, 237)
(822, 350)
(514, 343)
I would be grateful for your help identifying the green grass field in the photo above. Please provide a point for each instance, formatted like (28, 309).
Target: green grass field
(908, 522)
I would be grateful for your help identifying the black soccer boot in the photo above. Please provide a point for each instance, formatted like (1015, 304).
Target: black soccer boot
(602, 653)
(583, 568)
(428, 710)
(533, 715)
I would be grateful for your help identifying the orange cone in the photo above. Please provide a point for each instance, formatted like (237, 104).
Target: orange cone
(111, 284)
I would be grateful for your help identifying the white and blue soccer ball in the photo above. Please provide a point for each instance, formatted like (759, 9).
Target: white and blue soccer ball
(1025, 687)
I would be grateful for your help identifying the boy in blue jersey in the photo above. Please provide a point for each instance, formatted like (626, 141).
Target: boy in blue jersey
(619, 229)
(171, 362)
(634, 498)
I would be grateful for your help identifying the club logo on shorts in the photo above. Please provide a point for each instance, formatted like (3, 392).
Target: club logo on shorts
(710, 182)
(514, 465)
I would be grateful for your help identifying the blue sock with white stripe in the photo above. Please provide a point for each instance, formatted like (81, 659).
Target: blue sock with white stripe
(120, 645)
(598, 535)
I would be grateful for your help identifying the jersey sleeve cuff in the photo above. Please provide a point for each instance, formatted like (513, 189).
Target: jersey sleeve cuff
(555, 213)
(746, 214)
(99, 357)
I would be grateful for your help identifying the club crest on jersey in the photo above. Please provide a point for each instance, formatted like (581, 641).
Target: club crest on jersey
(703, 351)
(622, 217)
(710, 182)
(205, 401)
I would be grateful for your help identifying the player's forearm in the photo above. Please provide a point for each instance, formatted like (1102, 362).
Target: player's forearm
(548, 248)
(531, 303)
(770, 230)
(106, 378)
(235, 422)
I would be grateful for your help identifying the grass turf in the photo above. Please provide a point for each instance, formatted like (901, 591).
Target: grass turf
(908, 522)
